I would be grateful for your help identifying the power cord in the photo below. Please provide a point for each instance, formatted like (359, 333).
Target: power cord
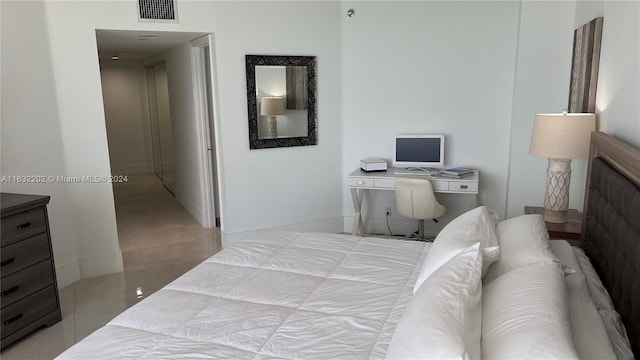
(388, 226)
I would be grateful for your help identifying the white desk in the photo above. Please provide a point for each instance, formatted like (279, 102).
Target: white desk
(359, 181)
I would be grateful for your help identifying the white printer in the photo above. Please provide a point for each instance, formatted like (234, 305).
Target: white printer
(373, 164)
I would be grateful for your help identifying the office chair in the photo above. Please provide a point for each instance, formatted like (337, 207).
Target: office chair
(415, 199)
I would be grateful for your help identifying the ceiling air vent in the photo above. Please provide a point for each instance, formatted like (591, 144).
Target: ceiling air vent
(157, 10)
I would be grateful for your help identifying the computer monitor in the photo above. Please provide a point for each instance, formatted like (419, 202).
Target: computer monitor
(419, 151)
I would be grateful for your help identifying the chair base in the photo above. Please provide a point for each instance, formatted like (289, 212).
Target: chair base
(414, 237)
(419, 235)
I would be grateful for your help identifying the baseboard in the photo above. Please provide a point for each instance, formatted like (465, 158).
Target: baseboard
(131, 169)
(398, 226)
(329, 225)
(68, 273)
(193, 209)
(344, 224)
(101, 265)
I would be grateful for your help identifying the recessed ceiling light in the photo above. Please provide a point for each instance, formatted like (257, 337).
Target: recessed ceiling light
(118, 55)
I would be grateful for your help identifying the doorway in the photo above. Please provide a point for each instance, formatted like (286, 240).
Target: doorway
(212, 133)
(182, 153)
(203, 73)
(160, 125)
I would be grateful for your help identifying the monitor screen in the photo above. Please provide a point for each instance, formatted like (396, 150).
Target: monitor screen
(419, 151)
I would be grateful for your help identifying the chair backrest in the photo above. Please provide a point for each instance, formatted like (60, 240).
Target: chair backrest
(415, 199)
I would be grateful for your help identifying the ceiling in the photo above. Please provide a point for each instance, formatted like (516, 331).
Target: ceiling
(129, 45)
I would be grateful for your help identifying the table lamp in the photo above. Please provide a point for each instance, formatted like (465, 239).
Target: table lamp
(560, 138)
(272, 107)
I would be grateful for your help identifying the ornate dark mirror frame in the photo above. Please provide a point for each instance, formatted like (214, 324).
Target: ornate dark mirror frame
(268, 60)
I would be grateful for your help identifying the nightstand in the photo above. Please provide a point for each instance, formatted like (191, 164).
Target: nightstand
(570, 231)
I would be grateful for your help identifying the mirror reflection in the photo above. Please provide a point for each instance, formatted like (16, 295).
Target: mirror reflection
(281, 93)
(281, 99)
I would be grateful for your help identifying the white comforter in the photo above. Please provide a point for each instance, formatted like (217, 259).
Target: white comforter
(274, 295)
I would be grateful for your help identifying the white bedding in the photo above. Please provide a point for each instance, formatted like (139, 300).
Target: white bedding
(303, 295)
(612, 321)
(258, 300)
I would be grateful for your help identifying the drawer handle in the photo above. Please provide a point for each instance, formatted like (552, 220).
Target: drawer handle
(360, 182)
(464, 186)
(13, 319)
(8, 261)
(10, 291)
(24, 226)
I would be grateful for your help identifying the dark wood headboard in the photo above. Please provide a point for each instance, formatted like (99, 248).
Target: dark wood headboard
(611, 225)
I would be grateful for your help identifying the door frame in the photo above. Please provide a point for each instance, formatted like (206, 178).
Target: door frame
(204, 141)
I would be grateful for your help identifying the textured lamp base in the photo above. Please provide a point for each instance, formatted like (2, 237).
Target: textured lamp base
(556, 198)
(273, 127)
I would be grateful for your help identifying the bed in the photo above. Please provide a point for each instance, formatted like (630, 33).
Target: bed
(486, 288)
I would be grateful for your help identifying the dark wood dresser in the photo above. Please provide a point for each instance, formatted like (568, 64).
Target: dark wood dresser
(29, 292)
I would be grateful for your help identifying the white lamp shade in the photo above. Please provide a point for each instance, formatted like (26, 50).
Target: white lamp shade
(562, 136)
(270, 106)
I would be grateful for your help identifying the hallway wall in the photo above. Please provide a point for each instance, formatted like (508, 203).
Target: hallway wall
(125, 111)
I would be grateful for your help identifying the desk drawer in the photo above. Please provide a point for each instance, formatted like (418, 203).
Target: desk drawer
(384, 183)
(360, 182)
(26, 282)
(463, 186)
(440, 185)
(23, 225)
(18, 256)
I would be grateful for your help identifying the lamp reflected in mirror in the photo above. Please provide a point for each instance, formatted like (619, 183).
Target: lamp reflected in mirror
(272, 107)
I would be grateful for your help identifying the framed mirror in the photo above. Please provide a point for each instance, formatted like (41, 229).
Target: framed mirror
(281, 100)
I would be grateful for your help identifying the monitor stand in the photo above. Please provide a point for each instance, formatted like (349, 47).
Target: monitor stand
(418, 171)
(421, 169)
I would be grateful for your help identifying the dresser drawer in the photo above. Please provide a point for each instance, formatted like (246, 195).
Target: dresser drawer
(28, 310)
(463, 186)
(23, 225)
(24, 253)
(15, 287)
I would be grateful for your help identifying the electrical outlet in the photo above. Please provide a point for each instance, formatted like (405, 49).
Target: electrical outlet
(388, 210)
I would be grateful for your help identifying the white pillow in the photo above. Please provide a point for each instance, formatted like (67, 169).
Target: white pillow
(443, 319)
(523, 240)
(477, 225)
(525, 315)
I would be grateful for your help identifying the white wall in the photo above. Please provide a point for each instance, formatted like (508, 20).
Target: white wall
(80, 108)
(34, 143)
(271, 187)
(180, 103)
(618, 96)
(123, 87)
(430, 67)
(541, 86)
(165, 122)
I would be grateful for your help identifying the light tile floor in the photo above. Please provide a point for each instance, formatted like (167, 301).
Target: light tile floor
(159, 240)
